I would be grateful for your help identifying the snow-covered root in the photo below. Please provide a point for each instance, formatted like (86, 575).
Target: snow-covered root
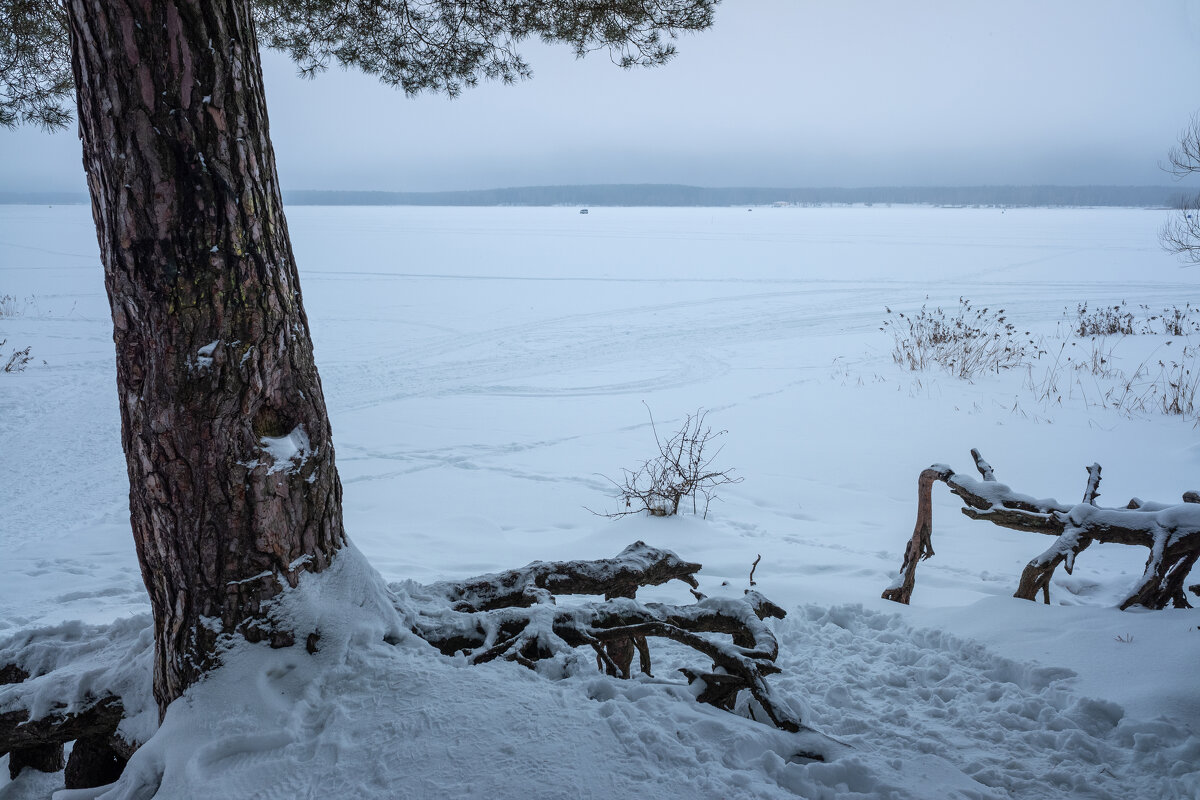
(1170, 532)
(513, 615)
(636, 566)
(88, 684)
(91, 684)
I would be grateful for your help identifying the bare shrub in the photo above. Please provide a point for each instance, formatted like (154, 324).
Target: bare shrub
(18, 360)
(966, 343)
(681, 471)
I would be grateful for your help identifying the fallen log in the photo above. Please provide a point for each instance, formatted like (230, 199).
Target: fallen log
(64, 684)
(1170, 532)
(636, 566)
(513, 615)
(99, 753)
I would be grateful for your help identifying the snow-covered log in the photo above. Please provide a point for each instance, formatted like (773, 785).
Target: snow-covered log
(1170, 532)
(637, 565)
(76, 683)
(513, 615)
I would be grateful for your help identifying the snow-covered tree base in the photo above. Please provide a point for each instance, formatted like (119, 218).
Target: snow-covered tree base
(92, 684)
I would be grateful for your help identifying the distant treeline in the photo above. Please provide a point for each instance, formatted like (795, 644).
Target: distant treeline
(42, 198)
(654, 194)
(678, 195)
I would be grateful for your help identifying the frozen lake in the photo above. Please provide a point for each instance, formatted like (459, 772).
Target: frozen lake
(486, 367)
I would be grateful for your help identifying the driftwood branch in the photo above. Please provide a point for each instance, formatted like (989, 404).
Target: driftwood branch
(637, 565)
(1170, 532)
(514, 616)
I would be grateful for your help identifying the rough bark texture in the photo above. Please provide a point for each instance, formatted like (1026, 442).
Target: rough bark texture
(215, 367)
(44, 758)
(1170, 532)
(94, 761)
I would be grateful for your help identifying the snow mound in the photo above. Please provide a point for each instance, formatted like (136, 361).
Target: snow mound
(947, 711)
(72, 662)
(899, 709)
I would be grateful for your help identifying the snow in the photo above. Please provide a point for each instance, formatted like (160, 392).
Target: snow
(204, 355)
(289, 452)
(484, 368)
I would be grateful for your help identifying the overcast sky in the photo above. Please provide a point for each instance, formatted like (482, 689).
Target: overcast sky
(777, 93)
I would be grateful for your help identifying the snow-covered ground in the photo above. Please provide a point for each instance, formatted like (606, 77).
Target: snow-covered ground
(485, 368)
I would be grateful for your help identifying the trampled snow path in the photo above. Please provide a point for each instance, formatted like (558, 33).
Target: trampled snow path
(485, 366)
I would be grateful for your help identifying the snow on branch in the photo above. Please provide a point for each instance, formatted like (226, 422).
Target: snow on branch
(513, 616)
(1170, 532)
(636, 565)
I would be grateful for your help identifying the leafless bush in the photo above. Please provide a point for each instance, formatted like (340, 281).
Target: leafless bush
(967, 343)
(18, 360)
(681, 471)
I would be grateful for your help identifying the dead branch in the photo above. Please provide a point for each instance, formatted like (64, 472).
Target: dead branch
(636, 565)
(491, 617)
(1170, 532)
(753, 567)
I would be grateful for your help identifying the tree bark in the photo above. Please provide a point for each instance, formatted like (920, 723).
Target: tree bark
(233, 489)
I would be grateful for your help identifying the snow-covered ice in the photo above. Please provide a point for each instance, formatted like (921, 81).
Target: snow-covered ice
(485, 367)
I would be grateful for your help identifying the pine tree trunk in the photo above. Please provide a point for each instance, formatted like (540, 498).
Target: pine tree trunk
(233, 490)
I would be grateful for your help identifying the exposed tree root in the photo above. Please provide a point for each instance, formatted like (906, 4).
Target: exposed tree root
(38, 743)
(1170, 532)
(509, 615)
(513, 615)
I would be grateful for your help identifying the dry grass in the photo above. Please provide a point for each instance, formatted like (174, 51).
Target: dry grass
(1086, 366)
(1120, 320)
(969, 342)
(10, 306)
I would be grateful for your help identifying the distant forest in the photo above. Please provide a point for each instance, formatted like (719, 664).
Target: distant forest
(678, 195)
(654, 194)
